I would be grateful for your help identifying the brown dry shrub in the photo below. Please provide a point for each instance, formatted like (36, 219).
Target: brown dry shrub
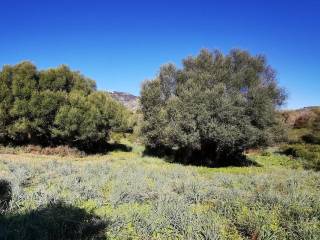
(59, 150)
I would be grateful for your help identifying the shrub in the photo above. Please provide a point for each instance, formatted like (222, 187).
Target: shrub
(147, 198)
(310, 154)
(311, 138)
(213, 108)
(55, 106)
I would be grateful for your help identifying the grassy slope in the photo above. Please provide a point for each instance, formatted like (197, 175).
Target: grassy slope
(147, 198)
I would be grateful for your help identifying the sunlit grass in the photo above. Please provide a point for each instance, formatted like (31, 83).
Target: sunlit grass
(146, 197)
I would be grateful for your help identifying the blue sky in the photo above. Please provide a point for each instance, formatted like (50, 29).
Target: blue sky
(121, 43)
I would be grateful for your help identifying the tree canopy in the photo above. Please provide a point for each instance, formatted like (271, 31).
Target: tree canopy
(213, 108)
(55, 106)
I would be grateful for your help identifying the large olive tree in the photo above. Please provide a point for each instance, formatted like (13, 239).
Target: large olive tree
(213, 108)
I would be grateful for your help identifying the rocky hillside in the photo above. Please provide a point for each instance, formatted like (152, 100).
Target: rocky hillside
(127, 99)
(304, 125)
(301, 117)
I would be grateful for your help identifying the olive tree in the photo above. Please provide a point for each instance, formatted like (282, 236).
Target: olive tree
(213, 108)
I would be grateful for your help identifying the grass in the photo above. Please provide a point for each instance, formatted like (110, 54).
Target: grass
(123, 195)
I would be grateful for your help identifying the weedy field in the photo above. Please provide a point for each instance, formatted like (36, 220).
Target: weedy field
(125, 195)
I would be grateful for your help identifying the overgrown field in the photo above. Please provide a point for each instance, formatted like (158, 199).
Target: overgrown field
(123, 195)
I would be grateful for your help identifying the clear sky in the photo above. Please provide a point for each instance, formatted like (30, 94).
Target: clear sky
(121, 43)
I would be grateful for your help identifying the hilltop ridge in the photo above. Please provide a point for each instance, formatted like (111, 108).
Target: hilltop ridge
(127, 99)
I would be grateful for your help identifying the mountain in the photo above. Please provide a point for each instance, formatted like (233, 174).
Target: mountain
(127, 99)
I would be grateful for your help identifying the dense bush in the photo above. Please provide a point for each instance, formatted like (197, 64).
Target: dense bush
(55, 106)
(309, 154)
(213, 108)
(312, 138)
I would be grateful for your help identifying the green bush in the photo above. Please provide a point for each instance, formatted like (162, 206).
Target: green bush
(311, 138)
(309, 154)
(55, 106)
(213, 108)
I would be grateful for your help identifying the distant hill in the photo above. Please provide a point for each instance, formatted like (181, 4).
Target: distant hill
(301, 117)
(129, 100)
(304, 124)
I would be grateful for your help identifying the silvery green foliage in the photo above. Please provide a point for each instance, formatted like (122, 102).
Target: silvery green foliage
(152, 200)
(212, 108)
